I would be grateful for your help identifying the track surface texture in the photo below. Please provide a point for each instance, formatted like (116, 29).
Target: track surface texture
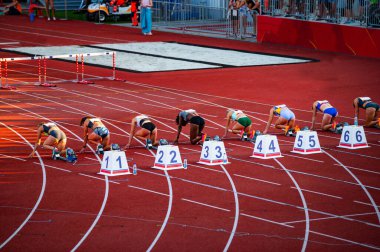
(321, 202)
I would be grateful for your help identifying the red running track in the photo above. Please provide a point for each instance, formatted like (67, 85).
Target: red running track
(320, 202)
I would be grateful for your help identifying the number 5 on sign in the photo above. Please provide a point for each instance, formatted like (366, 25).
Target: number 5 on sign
(353, 137)
(168, 158)
(306, 142)
(114, 163)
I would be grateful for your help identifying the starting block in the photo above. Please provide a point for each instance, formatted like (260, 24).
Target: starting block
(353, 137)
(168, 158)
(266, 147)
(254, 134)
(114, 163)
(213, 153)
(71, 157)
(306, 142)
(99, 149)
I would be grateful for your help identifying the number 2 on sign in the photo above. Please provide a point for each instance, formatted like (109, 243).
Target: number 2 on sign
(173, 160)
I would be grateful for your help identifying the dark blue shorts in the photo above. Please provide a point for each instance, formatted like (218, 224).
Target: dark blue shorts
(331, 111)
(101, 131)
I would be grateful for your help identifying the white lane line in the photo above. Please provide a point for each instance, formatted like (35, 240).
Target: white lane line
(37, 105)
(110, 181)
(71, 112)
(205, 168)
(106, 191)
(6, 156)
(359, 182)
(116, 109)
(345, 240)
(161, 96)
(203, 114)
(363, 203)
(123, 100)
(170, 202)
(330, 218)
(242, 146)
(9, 43)
(306, 210)
(93, 159)
(207, 205)
(210, 127)
(147, 190)
(266, 220)
(237, 210)
(359, 169)
(251, 162)
(7, 111)
(310, 159)
(319, 193)
(42, 192)
(142, 154)
(158, 106)
(351, 153)
(54, 167)
(265, 181)
(85, 103)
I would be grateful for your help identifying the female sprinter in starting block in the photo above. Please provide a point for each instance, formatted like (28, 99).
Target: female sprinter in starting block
(329, 115)
(286, 118)
(371, 111)
(147, 131)
(99, 134)
(242, 124)
(56, 138)
(197, 124)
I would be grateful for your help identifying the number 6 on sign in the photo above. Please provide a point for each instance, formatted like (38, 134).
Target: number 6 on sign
(353, 137)
(168, 158)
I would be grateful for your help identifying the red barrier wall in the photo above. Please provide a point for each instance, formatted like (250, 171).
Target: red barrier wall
(321, 36)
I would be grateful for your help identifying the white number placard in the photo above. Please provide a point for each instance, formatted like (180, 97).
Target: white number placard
(114, 163)
(266, 146)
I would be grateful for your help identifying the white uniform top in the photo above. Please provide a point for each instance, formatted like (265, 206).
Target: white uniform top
(139, 118)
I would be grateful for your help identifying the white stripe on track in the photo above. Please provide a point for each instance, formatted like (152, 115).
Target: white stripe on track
(43, 187)
(306, 211)
(359, 182)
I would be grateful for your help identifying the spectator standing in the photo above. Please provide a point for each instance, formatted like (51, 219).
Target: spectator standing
(146, 16)
(50, 5)
(13, 8)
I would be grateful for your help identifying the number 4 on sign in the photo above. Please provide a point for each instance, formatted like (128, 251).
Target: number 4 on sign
(353, 137)
(266, 147)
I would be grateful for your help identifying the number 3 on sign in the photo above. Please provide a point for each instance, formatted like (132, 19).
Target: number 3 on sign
(218, 151)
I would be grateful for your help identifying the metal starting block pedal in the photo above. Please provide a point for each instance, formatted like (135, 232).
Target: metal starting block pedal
(255, 133)
(148, 144)
(115, 147)
(71, 157)
(291, 133)
(244, 137)
(99, 149)
(217, 138)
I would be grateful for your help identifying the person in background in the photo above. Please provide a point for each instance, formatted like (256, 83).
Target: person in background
(13, 8)
(146, 16)
(371, 111)
(56, 138)
(50, 6)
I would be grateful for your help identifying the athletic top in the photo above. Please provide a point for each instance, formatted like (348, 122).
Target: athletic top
(277, 109)
(320, 103)
(47, 126)
(140, 119)
(92, 121)
(184, 114)
(362, 100)
(235, 113)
